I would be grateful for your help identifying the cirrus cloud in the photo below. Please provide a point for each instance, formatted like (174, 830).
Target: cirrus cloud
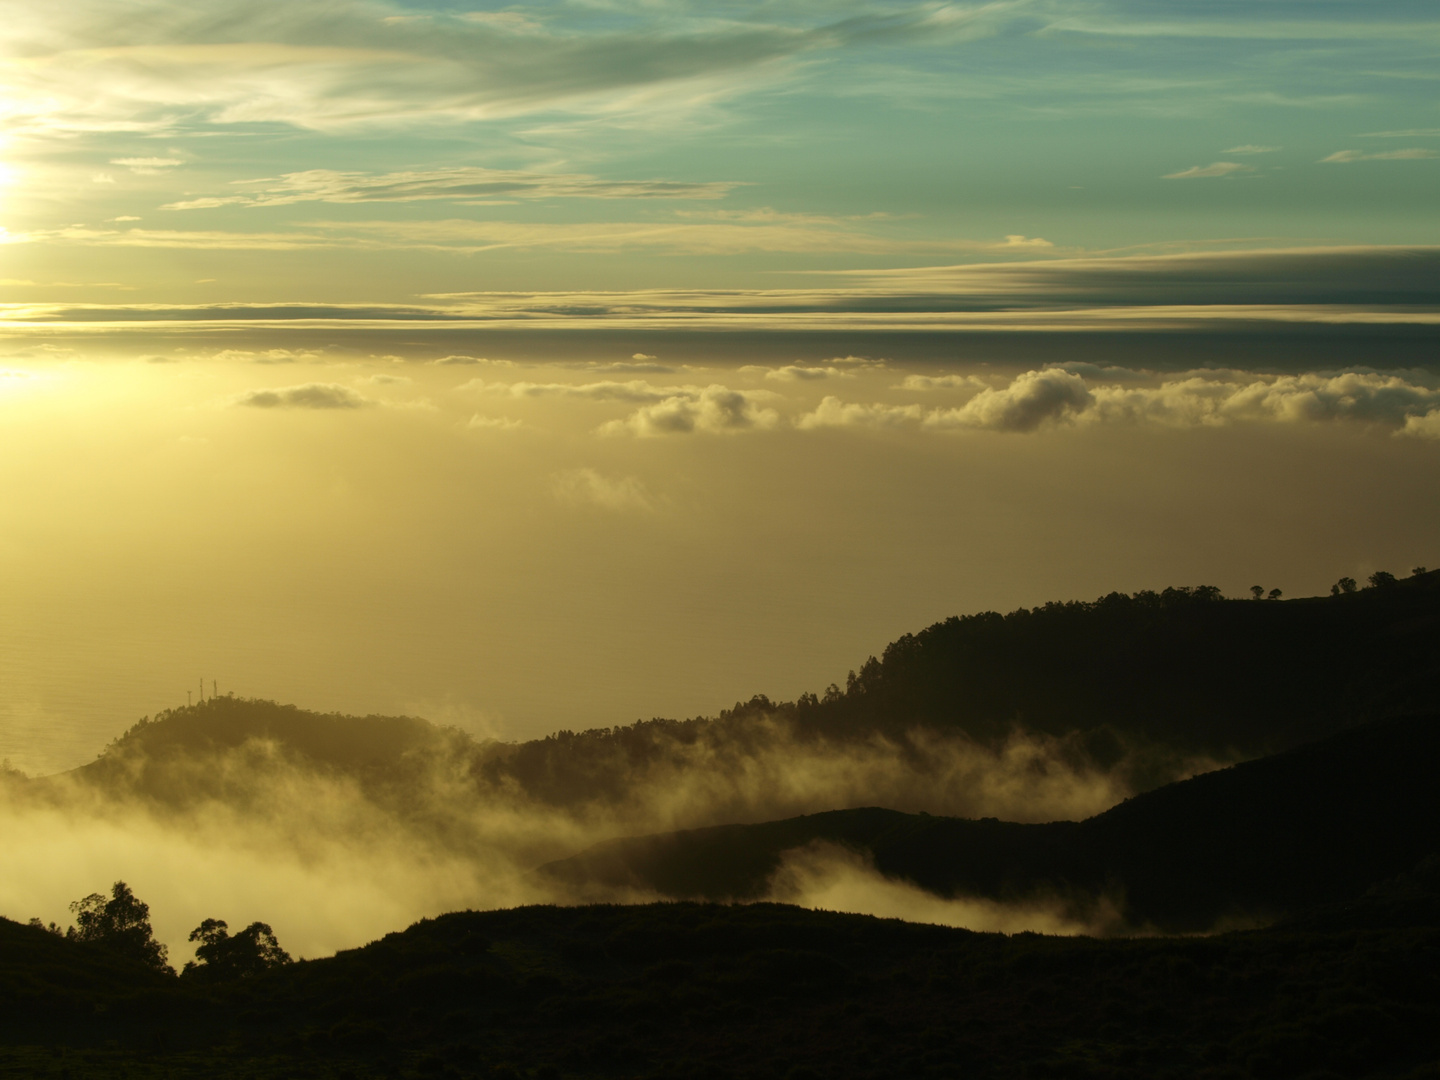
(466, 184)
(1215, 168)
(1413, 153)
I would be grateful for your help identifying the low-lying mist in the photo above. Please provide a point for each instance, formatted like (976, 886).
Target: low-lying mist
(831, 877)
(333, 851)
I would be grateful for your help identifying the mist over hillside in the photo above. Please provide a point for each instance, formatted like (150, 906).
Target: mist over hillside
(1240, 846)
(1141, 688)
(335, 827)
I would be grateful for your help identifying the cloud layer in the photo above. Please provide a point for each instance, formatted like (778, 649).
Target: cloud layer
(1358, 285)
(1054, 396)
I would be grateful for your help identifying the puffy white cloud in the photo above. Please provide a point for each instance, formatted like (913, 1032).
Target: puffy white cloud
(306, 396)
(1215, 168)
(1365, 397)
(802, 373)
(1059, 396)
(941, 382)
(1029, 401)
(714, 410)
(1102, 372)
(832, 412)
(1425, 427)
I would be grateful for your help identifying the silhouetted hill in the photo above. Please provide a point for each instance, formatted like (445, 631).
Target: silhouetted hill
(174, 756)
(757, 991)
(1138, 681)
(1314, 825)
(1142, 689)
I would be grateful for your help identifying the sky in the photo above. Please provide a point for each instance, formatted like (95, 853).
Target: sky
(557, 365)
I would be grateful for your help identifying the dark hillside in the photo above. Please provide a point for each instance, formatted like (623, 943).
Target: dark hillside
(1137, 681)
(776, 993)
(175, 757)
(1314, 825)
(1143, 685)
(1181, 667)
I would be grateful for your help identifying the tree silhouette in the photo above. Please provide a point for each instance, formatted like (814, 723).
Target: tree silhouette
(121, 924)
(221, 957)
(1275, 594)
(1257, 591)
(1381, 578)
(1344, 585)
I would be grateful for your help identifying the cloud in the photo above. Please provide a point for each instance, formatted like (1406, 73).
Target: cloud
(1219, 291)
(1016, 242)
(643, 357)
(465, 361)
(677, 234)
(1032, 399)
(148, 166)
(636, 390)
(829, 877)
(1250, 148)
(1056, 396)
(163, 68)
(493, 423)
(1426, 426)
(590, 488)
(713, 410)
(306, 396)
(468, 236)
(456, 184)
(1414, 153)
(155, 67)
(1358, 396)
(803, 373)
(622, 367)
(387, 380)
(1102, 372)
(941, 382)
(832, 412)
(1407, 133)
(266, 356)
(1216, 168)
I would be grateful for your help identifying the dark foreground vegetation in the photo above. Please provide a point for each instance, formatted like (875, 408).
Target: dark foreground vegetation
(691, 990)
